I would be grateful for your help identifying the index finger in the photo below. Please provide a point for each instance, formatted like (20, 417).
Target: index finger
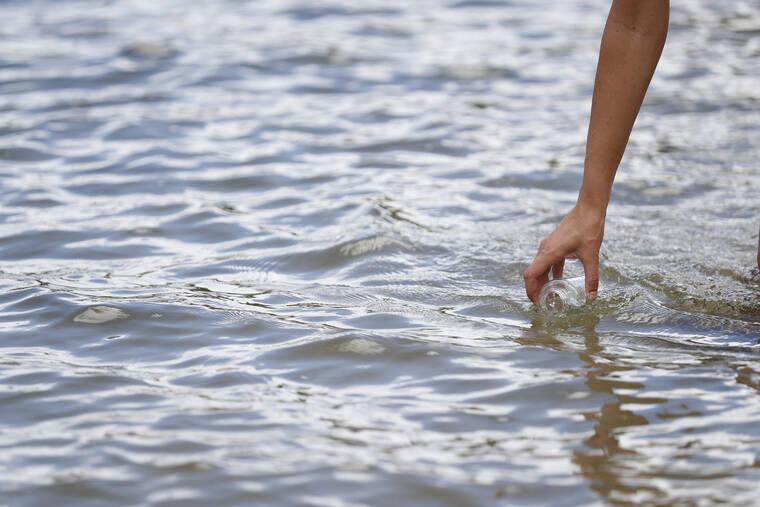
(537, 274)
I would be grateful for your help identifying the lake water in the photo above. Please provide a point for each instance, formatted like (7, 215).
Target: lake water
(271, 252)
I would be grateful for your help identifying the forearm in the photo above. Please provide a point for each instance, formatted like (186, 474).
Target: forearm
(631, 46)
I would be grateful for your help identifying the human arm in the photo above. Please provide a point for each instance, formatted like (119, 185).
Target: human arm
(631, 46)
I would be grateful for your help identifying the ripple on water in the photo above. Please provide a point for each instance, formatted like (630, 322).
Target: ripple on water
(100, 314)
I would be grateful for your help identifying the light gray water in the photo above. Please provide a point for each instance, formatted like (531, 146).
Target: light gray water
(271, 253)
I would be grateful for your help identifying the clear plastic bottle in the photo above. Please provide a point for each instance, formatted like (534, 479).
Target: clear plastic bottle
(559, 295)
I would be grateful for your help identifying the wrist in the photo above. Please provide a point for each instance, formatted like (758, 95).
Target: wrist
(592, 203)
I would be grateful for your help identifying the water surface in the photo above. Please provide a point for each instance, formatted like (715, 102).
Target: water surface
(271, 253)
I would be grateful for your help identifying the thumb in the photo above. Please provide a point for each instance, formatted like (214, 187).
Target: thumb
(591, 271)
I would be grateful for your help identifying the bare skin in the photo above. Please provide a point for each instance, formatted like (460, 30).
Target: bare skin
(631, 46)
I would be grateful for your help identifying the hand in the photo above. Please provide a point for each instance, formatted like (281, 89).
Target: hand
(578, 236)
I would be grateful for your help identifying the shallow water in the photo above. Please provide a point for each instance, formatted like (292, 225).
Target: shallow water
(271, 252)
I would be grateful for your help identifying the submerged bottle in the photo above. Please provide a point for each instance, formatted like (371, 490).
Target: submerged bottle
(559, 295)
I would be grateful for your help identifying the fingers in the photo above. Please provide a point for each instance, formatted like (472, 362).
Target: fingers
(558, 268)
(537, 274)
(535, 277)
(591, 271)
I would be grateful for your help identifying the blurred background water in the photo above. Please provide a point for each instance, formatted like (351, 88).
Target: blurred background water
(270, 252)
